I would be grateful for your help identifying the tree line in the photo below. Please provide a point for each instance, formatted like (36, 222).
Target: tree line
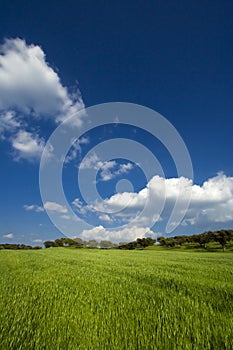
(79, 243)
(140, 243)
(14, 246)
(221, 236)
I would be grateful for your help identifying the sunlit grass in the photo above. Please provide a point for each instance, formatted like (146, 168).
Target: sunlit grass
(90, 299)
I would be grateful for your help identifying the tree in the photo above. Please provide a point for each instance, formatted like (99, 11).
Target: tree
(162, 240)
(106, 244)
(49, 244)
(129, 246)
(180, 240)
(150, 241)
(67, 242)
(170, 242)
(140, 243)
(203, 238)
(59, 242)
(93, 243)
(79, 241)
(145, 242)
(122, 243)
(222, 237)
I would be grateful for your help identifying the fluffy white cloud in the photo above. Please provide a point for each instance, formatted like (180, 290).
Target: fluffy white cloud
(107, 170)
(30, 93)
(30, 85)
(8, 235)
(37, 240)
(27, 145)
(56, 207)
(126, 234)
(211, 203)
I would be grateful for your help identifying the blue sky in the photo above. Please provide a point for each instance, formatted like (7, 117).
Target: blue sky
(170, 56)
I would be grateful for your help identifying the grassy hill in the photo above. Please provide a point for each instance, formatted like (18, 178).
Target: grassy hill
(93, 299)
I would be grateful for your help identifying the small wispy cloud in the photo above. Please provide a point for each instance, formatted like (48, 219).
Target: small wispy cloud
(50, 206)
(108, 170)
(8, 235)
(66, 217)
(8, 123)
(79, 206)
(33, 207)
(84, 140)
(76, 149)
(55, 207)
(105, 218)
(27, 145)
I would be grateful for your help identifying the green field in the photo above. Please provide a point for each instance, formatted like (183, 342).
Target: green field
(62, 298)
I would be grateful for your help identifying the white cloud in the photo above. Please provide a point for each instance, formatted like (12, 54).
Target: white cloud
(27, 145)
(126, 234)
(66, 217)
(84, 140)
(30, 85)
(90, 162)
(73, 153)
(50, 206)
(79, 206)
(108, 170)
(122, 200)
(9, 236)
(8, 123)
(30, 93)
(55, 207)
(105, 217)
(76, 149)
(33, 207)
(37, 240)
(211, 203)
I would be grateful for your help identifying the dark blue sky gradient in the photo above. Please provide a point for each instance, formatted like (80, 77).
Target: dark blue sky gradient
(173, 56)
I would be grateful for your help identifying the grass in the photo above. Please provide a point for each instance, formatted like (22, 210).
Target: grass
(61, 298)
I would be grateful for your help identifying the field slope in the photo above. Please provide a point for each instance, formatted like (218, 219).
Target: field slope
(90, 299)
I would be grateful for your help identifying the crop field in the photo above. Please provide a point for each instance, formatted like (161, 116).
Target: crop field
(63, 298)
